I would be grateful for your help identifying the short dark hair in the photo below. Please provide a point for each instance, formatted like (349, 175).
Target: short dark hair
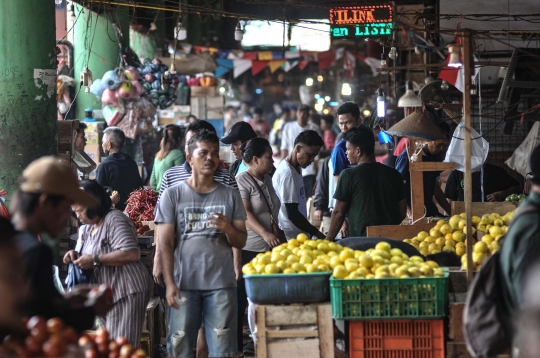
(255, 147)
(349, 108)
(82, 127)
(202, 135)
(361, 137)
(328, 119)
(26, 203)
(99, 192)
(199, 125)
(309, 138)
(259, 111)
(304, 108)
(445, 259)
(192, 116)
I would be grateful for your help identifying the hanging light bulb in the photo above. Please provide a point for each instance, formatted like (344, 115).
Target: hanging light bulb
(72, 15)
(381, 104)
(320, 78)
(409, 99)
(180, 32)
(444, 85)
(238, 33)
(309, 81)
(383, 67)
(346, 89)
(393, 54)
(454, 60)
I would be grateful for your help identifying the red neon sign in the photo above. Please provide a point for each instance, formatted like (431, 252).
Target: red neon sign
(351, 15)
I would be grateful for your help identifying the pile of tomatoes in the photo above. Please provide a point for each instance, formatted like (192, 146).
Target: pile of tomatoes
(51, 338)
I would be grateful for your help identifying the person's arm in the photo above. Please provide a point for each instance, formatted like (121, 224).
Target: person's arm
(235, 231)
(285, 140)
(179, 159)
(166, 249)
(153, 177)
(338, 218)
(501, 195)
(300, 221)
(320, 199)
(254, 225)
(441, 199)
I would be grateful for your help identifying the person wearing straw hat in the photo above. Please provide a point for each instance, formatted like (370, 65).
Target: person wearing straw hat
(43, 205)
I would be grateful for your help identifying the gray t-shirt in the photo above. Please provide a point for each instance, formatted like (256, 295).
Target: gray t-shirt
(289, 185)
(259, 208)
(203, 258)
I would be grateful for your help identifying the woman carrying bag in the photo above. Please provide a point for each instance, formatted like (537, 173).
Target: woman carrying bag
(108, 246)
(262, 207)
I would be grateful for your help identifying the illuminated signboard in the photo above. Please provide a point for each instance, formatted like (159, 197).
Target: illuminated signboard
(365, 30)
(361, 21)
(352, 15)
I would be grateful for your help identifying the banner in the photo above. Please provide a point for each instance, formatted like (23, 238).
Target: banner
(241, 66)
(274, 65)
(258, 66)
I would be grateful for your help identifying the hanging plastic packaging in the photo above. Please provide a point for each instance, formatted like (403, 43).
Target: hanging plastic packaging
(456, 149)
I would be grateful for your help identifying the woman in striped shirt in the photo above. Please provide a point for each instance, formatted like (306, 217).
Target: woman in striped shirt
(108, 244)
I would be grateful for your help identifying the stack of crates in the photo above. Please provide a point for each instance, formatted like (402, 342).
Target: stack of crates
(392, 317)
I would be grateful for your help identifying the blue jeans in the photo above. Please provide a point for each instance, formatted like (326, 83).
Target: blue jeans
(216, 310)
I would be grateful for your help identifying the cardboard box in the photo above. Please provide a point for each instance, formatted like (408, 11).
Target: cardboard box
(210, 107)
(173, 115)
(199, 91)
(96, 127)
(94, 152)
(93, 138)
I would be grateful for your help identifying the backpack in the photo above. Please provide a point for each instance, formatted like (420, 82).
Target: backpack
(487, 323)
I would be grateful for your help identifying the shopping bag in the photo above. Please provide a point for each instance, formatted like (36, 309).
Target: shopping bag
(456, 150)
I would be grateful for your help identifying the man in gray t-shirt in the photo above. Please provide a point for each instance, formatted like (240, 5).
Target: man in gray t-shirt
(199, 222)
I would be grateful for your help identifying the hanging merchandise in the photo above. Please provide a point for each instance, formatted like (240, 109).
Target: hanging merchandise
(456, 149)
(4, 213)
(138, 118)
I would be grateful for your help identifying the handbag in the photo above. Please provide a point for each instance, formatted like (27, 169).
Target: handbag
(77, 276)
(273, 222)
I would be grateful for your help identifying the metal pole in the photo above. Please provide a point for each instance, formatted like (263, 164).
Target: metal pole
(467, 61)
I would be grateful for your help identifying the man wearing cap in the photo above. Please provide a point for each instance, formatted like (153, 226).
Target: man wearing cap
(240, 133)
(521, 247)
(43, 205)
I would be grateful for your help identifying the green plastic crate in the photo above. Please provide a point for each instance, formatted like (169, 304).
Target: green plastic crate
(389, 298)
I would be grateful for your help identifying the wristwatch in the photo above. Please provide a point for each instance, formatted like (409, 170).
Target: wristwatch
(96, 260)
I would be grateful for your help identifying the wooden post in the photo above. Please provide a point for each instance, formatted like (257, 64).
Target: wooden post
(467, 60)
(417, 187)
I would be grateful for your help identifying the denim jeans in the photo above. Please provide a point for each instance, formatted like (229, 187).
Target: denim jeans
(216, 310)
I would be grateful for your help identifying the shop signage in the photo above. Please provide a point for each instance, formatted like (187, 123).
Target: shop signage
(352, 15)
(361, 21)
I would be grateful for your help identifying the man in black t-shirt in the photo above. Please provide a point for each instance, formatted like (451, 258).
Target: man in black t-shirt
(498, 185)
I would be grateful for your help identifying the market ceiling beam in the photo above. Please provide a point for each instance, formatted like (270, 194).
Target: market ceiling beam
(439, 65)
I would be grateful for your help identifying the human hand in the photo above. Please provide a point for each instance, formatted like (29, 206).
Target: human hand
(219, 222)
(115, 198)
(344, 229)
(497, 196)
(173, 296)
(70, 256)
(157, 272)
(271, 239)
(317, 215)
(85, 262)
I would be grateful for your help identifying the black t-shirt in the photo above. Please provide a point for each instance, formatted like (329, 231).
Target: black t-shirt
(366, 243)
(495, 179)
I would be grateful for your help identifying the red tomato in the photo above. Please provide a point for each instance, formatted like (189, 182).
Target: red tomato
(126, 351)
(70, 335)
(39, 334)
(33, 346)
(103, 349)
(139, 353)
(54, 347)
(85, 341)
(55, 325)
(122, 341)
(36, 322)
(114, 355)
(21, 352)
(91, 353)
(102, 332)
(101, 340)
(114, 347)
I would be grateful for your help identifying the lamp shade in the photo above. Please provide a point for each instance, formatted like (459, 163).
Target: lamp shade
(417, 126)
(409, 99)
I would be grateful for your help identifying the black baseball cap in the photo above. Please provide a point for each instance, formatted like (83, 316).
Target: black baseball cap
(239, 131)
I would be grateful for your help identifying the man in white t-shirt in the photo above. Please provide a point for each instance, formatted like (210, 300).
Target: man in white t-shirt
(289, 185)
(290, 132)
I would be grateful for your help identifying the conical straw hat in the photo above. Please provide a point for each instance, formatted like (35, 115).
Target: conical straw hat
(416, 126)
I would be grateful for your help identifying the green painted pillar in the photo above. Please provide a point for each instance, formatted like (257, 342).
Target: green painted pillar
(95, 45)
(27, 86)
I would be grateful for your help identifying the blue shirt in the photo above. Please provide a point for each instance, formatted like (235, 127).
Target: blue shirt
(241, 168)
(339, 158)
(430, 180)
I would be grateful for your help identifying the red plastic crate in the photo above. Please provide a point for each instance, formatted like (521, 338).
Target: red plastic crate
(397, 339)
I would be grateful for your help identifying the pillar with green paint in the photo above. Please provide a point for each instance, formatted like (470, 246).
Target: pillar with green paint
(96, 46)
(27, 86)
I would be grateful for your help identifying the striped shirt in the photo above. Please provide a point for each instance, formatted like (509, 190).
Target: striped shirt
(182, 172)
(116, 232)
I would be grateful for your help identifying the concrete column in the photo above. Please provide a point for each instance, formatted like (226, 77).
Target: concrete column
(95, 45)
(27, 86)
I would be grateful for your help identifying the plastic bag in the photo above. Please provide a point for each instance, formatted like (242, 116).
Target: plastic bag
(519, 161)
(456, 149)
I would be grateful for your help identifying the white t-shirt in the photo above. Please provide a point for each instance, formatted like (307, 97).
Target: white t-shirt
(290, 132)
(289, 186)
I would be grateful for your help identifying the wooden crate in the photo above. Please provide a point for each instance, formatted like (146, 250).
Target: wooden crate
(281, 331)
(480, 209)
(151, 336)
(398, 232)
